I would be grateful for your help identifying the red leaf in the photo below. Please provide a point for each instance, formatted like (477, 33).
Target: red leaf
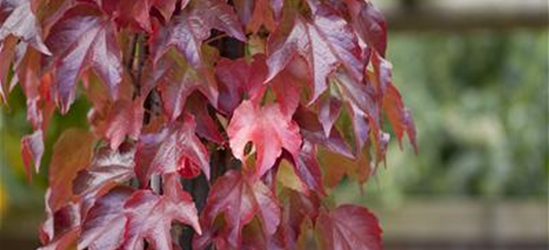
(364, 106)
(122, 220)
(17, 19)
(83, 38)
(308, 169)
(174, 149)
(62, 227)
(348, 227)
(104, 225)
(188, 30)
(329, 111)
(255, 13)
(205, 124)
(125, 118)
(400, 117)
(240, 199)
(167, 7)
(108, 169)
(71, 153)
(130, 13)
(32, 149)
(326, 42)
(7, 52)
(277, 7)
(296, 209)
(312, 130)
(177, 81)
(40, 107)
(268, 129)
(64, 241)
(370, 24)
(150, 216)
(287, 89)
(238, 80)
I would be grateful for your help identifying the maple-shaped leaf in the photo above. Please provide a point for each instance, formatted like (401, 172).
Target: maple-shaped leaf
(62, 227)
(71, 153)
(255, 14)
(167, 7)
(150, 216)
(114, 119)
(287, 89)
(108, 169)
(336, 166)
(192, 27)
(364, 106)
(329, 111)
(312, 130)
(130, 13)
(104, 225)
(240, 199)
(123, 118)
(325, 42)
(296, 209)
(37, 88)
(206, 127)
(173, 149)
(239, 80)
(369, 23)
(7, 52)
(176, 81)
(83, 38)
(268, 129)
(18, 19)
(399, 116)
(123, 219)
(308, 169)
(348, 227)
(32, 150)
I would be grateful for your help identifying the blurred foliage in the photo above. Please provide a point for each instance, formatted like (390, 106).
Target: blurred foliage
(479, 101)
(19, 193)
(480, 105)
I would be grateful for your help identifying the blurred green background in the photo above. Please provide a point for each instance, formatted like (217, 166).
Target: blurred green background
(480, 102)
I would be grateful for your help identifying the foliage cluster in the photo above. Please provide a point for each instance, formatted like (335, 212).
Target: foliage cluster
(210, 120)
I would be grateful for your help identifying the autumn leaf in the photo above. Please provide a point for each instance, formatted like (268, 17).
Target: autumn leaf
(311, 129)
(191, 28)
(297, 208)
(239, 200)
(176, 81)
(239, 80)
(17, 19)
(71, 153)
(268, 129)
(7, 52)
(325, 42)
(108, 169)
(370, 24)
(308, 168)
(123, 219)
(104, 225)
(173, 149)
(400, 117)
(32, 150)
(336, 166)
(83, 38)
(348, 227)
(150, 216)
(62, 227)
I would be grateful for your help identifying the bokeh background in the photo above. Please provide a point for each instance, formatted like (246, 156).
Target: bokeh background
(474, 73)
